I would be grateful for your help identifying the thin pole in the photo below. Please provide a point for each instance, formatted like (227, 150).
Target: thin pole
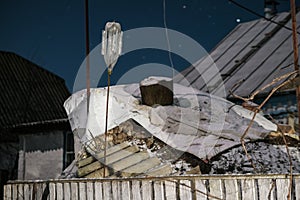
(296, 67)
(106, 121)
(87, 51)
(295, 47)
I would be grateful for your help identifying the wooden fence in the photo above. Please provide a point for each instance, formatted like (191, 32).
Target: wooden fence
(258, 187)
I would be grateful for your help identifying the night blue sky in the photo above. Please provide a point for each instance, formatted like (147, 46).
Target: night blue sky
(52, 33)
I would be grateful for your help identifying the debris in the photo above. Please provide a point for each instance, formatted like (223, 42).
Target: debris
(157, 90)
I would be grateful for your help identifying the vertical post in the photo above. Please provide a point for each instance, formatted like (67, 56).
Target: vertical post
(296, 67)
(87, 51)
(106, 120)
(295, 47)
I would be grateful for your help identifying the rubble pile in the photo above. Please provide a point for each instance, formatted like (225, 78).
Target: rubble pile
(198, 133)
(133, 151)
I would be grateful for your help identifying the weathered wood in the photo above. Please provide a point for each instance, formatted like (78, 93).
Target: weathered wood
(141, 167)
(100, 155)
(282, 188)
(136, 190)
(27, 192)
(109, 159)
(88, 168)
(185, 189)
(159, 92)
(170, 187)
(20, 191)
(8, 191)
(121, 154)
(126, 191)
(129, 161)
(59, 191)
(98, 191)
(107, 190)
(201, 191)
(215, 188)
(158, 190)
(116, 190)
(162, 170)
(147, 190)
(90, 191)
(98, 173)
(95, 169)
(52, 191)
(195, 170)
(249, 189)
(15, 191)
(265, 186)
(232, 189)
(223, 187)
(297, 188)
(67, 191)
(82, 191)
(74, 191)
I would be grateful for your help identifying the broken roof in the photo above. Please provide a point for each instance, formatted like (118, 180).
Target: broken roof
(255, 52)
(198, 123)
(30, 95)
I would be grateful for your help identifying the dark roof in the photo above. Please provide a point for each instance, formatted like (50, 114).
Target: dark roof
(30, 95)
(255, 51)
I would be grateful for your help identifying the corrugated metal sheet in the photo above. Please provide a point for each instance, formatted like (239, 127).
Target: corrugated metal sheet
(231, 187)
(29, 93)
(256, 52)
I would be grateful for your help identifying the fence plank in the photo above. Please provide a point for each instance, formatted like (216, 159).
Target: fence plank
(265, 186)
(126, 194)
(201, 192)
(98, 191)
(107, 190)
(116, 190)
(136, 190)
(82, 191)
(59, 191)
(185, 189)
(26, 192)
(158, 190)
(14, 191)
(297, 188)
(170, 187)
(90, 191)
(74, 191)
(282, 188)
(52, 191)
(8, 191)
(249, 189)
(20, 191)
(67, 191)
(216, 188)
(231, 189)
(146, 190)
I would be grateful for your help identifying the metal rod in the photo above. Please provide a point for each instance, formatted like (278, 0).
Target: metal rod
(106, 121)
(87, 51)
(295, 47)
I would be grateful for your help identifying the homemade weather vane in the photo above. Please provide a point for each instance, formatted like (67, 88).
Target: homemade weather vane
(111, 50)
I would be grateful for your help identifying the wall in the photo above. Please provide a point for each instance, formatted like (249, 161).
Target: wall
(41, 155)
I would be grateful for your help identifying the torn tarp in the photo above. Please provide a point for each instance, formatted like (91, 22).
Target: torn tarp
(197, 122)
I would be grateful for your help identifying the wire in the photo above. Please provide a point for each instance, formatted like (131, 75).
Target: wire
(167, 37)
(259, 15)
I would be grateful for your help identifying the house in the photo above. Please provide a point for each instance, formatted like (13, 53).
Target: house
(36, 140)
(251, 56)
